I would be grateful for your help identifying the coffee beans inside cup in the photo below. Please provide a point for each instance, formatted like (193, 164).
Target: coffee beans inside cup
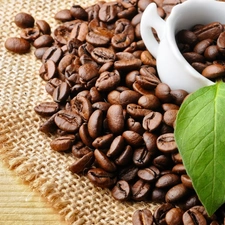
(203, 48)
(110, 109)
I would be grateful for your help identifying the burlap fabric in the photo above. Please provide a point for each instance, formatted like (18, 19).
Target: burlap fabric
(25, 149)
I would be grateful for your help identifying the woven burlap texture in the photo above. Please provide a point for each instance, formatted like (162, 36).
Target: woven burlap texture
(26, 150)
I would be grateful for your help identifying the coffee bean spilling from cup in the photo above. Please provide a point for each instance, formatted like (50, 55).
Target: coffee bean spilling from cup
(109, 108)
(203, 46)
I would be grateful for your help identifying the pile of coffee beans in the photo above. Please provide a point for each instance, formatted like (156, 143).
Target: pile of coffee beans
(203, 46)
(110, 109)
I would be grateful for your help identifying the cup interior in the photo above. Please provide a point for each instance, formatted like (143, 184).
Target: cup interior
(188, 14)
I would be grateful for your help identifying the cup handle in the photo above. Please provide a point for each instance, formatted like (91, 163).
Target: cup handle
(150, 19)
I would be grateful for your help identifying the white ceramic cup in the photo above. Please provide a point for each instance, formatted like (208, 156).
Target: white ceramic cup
(172, 67)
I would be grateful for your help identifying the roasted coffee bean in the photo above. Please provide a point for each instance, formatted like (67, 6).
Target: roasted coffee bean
(53, 53)
(152, 121)
(149, 174)
(68, 120)
(108, 12)
(62, 143)
(44, 40)
(43, 26)
(187, 37)
(49, 125)
(163, 162)
(158, 195)
(101, 178)
(30, 34)
(169, 117)
(121, 191)
(140, 190)
(103, 161)
(47, 108)
(95, 123)
(147, 58)
(61, 92)
(170, 106)
(82, 164)
(97, 39)
(78, 12)
(149, 81)
(193, 216)
(103, 55)
(136, 111)
(108, 81)
(64, 15)
(179, 169)
(85, 136)
(48, 70)
(128, 96)
(186, 180)
(52, 84)
(214, 71)
(162, 91)
(39, 52)
(132, 138)
(166, 143)
(17, 45)
(128, 173)
(221, 42)
(115, 119)
(116, 146)
(103, 142)
(167, 180)
(82, 106)
(24, 20)
(211, 31)
(160, 213)
(176, 193)
(125, 157)
(178, 96)
(142, 217)
(79, 149)
(174, 217)
(149, 102)
(142, 157)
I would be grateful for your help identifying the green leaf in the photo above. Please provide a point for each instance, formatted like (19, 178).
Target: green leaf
(200, 137)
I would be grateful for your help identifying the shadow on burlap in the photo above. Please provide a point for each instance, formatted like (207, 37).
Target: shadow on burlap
(26, 150)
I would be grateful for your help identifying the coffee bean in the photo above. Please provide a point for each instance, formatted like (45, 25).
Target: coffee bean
(24, 20)
(64, 15)
(152, 121)
(95, 123)
(149, 174)
(17, 45)
(68, 120)
(166, 143)
(176, 193)
(101, 178)
(125, 157)
(47, 108)
(78, 12)
(48, 70)
(62, 143)
(174, 217)
(160, 213)
(43, 41)
(121, 191)
(193, 216)
(43, 26)
(30, 34)
(104, 162)
(142, 217)
(140, 190)
(103, 142)
(115, 119)
(61, 92)
(167, 180)
(83, 163)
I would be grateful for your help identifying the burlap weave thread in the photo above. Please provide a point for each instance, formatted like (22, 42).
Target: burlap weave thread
(26, 150)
